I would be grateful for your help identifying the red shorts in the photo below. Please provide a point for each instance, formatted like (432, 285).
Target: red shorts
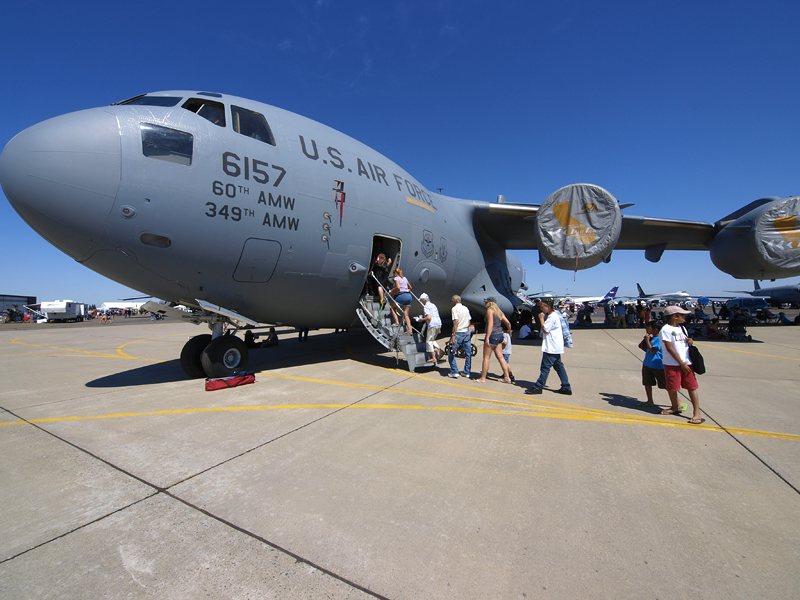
(677, 379)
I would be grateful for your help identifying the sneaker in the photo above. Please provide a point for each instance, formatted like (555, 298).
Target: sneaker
(533, 390)
(454, 375)
(564, 391)
(465, 375)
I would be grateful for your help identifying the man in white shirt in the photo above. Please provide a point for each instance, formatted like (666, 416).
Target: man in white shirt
(678, 369)
(460, 338)
(434, 322)
(552, 349)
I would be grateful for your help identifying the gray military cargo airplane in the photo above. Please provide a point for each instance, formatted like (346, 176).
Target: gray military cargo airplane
(250, 214)
(781, 294)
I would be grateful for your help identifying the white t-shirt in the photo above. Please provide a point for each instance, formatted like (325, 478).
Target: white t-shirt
(507, 341)
(676, 336)
(461, 313)
(553, 342)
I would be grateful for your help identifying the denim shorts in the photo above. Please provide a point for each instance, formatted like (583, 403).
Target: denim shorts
(495, 338)
(403, 299)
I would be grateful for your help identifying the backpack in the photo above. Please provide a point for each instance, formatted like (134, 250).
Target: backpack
(565, 330)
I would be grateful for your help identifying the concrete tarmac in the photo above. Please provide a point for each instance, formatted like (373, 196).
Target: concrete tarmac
(338, 475)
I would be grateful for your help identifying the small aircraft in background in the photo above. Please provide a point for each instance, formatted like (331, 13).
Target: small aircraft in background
(665, 297)
(778, 294)
(610, 295)
(250, 214)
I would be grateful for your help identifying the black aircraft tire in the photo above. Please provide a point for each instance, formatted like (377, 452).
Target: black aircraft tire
(190, 356)
(223, 356)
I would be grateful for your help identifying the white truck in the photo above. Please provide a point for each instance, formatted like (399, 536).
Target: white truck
(62, 310)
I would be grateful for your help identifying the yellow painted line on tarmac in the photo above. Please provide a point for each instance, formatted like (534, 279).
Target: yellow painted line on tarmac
(621, 419)
(525, 402)
(516, 403)
(574, 412)
(718, 347)
(73, 352)
(86, 353)
(532, 407)
(124, 355)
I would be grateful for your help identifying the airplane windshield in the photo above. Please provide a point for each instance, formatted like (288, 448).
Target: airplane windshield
(251, 124)
(150, 101)
(208, 109)
(166, 144)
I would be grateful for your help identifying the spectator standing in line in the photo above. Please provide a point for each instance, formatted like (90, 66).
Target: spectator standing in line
(402, 297)
(507, 350)
(677, 364)
(552, 349)
(652, 365)
(434, 323)
(495, 319)
(461, 337)
(620, 313)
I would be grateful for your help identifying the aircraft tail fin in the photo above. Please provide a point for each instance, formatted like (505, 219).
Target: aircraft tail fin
(611, 294)
(755, 285)
(641, 291)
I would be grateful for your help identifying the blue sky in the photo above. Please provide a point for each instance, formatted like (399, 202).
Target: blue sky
(687, 109)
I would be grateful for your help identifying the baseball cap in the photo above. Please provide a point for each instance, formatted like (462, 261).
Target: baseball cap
(676, 310)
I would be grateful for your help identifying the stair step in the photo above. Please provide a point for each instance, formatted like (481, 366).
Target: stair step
(388, 335)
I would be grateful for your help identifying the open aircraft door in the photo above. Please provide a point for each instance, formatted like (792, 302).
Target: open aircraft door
(389, 246)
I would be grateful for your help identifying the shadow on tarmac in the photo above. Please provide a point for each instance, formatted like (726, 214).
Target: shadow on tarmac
(629, 402)
(290, 352)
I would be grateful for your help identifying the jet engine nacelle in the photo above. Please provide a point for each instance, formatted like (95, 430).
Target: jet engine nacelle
(578, 226)
(761, 244)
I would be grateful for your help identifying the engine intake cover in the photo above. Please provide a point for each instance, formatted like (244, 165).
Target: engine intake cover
(578, 226)
(762, 244)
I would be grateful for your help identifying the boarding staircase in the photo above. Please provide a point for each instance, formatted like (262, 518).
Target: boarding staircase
(378, 321)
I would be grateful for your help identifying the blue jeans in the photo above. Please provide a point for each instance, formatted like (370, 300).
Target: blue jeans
(554, 361)
(461, 341)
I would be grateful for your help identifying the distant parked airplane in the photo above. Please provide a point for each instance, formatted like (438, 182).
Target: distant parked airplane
(778, 294)
(665, 297)
(610, 295)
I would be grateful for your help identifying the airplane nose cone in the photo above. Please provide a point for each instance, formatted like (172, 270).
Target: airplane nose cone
(62, 176)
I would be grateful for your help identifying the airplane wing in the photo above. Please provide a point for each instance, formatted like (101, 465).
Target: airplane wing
(512, 226)
(580, 225)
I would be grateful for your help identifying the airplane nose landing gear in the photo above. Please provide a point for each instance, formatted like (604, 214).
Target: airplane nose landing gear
(223, 356)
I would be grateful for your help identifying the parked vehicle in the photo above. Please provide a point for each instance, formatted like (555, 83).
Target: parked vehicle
(63, 310)
(749, 304)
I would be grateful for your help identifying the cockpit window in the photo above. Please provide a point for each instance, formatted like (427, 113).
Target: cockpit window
(145, 100)
(166, 144)
(208, 109)
(251, 124)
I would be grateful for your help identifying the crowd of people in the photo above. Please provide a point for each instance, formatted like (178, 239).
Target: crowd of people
(669, 336)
